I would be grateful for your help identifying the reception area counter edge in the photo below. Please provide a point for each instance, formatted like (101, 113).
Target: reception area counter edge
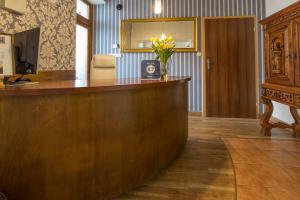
(83, 86)
(78, 140)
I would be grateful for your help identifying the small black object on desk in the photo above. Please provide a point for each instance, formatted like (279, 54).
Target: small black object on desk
(22, 79)
(19, 81)
(5, 80)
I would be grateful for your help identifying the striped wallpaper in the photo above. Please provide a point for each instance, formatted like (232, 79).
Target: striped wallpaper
(107, 30)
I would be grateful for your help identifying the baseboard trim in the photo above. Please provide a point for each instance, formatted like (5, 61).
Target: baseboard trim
(196, 114)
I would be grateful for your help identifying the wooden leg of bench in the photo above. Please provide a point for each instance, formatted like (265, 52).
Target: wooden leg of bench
(296, 125)
(266, 126)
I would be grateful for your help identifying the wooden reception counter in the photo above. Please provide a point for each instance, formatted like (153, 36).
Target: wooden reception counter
(79, 140)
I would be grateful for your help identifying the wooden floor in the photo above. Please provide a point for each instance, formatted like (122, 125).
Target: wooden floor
(266, 169)
(204, 170)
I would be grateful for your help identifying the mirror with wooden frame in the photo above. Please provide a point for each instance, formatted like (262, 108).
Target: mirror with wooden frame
(136, 34)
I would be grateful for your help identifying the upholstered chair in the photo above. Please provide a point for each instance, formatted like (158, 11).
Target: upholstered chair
(103, 67)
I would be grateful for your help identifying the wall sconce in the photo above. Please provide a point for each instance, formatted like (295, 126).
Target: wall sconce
(157, 7)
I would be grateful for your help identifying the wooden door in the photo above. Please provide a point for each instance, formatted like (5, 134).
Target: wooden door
(230, 63)
(279, 55)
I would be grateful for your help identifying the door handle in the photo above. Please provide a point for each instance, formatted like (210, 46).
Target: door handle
(208, 64)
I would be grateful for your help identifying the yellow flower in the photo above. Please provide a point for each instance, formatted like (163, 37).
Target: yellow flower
(153, 40)
(163, 47)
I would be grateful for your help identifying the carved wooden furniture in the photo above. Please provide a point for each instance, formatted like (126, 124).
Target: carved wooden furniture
(282, 66)
(88, 140)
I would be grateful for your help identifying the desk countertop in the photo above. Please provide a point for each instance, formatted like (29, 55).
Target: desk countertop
(83, 86)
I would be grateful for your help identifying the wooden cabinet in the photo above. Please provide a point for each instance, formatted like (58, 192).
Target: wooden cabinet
(279, 65)
(282, 66)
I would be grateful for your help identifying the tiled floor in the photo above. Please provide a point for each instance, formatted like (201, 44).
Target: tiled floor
(266, 169)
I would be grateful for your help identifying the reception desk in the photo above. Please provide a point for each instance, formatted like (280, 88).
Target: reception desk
(86, 140)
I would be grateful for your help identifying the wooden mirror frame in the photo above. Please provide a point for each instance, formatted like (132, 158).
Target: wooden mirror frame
(194, 19)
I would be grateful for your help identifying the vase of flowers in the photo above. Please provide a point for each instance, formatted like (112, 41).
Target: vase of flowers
(164, 48)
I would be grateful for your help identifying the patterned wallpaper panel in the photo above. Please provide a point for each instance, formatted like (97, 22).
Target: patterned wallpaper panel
(107, 29)
(58, 31)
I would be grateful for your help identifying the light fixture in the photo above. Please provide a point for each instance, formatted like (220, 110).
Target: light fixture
(157, 7)
(97, 2)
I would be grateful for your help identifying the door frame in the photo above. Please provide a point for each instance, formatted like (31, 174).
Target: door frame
(89, 24)
(204, 67)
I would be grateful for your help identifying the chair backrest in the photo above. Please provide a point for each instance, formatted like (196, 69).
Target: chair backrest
(103, 67)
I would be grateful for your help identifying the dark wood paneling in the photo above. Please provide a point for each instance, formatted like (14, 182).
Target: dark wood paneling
(89, 146)
(231, 80)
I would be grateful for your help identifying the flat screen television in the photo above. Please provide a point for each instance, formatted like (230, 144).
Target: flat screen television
(26, 51)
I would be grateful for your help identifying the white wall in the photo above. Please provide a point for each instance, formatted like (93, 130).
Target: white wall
(273, 6)
(280, 111)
